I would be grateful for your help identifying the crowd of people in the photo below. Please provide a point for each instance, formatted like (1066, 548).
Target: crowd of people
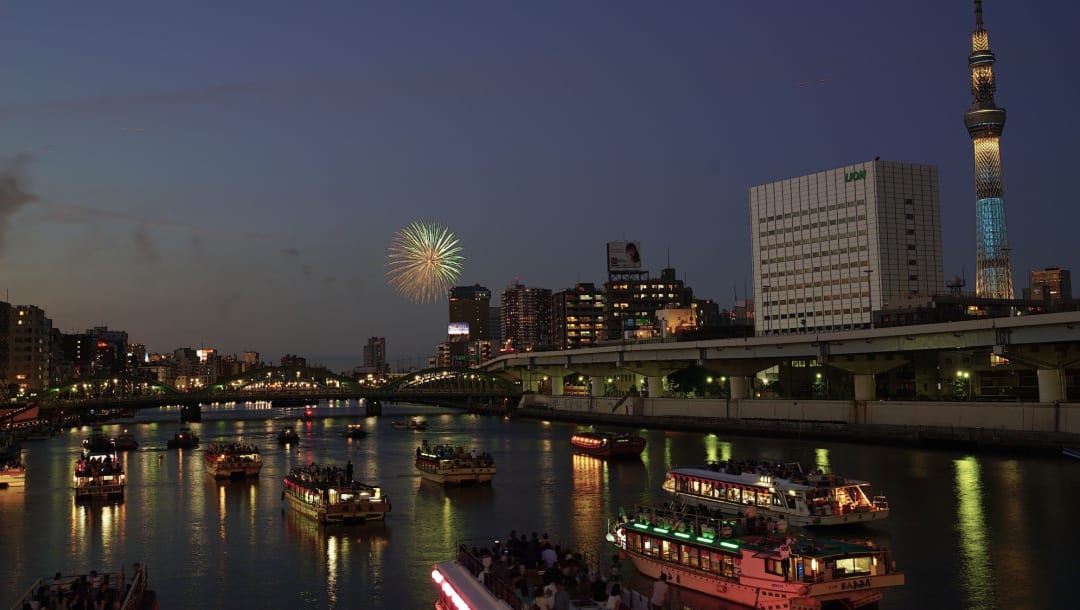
(544, 575)
(93, 591)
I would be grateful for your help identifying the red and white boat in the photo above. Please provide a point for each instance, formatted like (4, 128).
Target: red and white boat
(607, 444)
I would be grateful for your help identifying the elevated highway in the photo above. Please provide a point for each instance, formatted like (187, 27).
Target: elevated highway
(1040, 353)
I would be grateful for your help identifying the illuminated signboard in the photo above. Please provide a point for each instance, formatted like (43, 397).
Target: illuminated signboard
(458, 328)
(623, 256)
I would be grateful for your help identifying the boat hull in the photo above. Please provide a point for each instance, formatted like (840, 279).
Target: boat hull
(607, 445)
(12, 478)
(459, 476)
(233, 470)
(353, 512)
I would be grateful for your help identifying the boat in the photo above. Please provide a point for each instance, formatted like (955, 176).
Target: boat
(410, 424)
(183, 439)
(448, 465)
(607, 444)
(232, 460)
(768, 490)
(355, 431)
(328, 494)
(700, 551)
(1073, 452)
(131, 592)
(125, 441)
(98, 441)
(460, 583)
(288, 436)
(99, 475)
(12, 473)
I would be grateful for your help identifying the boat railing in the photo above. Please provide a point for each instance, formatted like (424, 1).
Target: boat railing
(880, 503)
(499, 588)
(117, 580)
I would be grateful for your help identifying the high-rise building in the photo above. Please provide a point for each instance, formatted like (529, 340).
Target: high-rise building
(1052, 284)
(470, 305)
(985, 121)
(495, 325)
(5, 345)
(631, 303)
(577, 316)
(526, 318)
(375, 355)
(29, 348)
(829, 248)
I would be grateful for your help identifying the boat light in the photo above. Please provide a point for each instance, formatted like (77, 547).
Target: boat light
(704, 539)
(662, 530)
(683, 535)
(813, 565)
(641, 526)
(730, 545)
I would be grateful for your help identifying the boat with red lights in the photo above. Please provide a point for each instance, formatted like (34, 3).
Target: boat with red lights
(99, 475)
(778, 490)
(448, 465)
(700, 550)
(607, 444)
(232, 460)
(328, 494)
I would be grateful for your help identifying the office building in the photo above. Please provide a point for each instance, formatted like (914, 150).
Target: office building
(375, 355)
(1051, 284)
(469, 308)
(985, 122)
(29, 349)
(631, 303)
(831, 247)
(577, 316)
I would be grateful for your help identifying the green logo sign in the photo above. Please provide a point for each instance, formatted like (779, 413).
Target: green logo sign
(853, 176)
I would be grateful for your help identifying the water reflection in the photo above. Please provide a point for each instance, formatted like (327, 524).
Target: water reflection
(97, 525)
(716, 450)
(976, 571)
(236, 503)
(347, 553)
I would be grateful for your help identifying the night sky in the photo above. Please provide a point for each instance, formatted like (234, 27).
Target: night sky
(230, 174)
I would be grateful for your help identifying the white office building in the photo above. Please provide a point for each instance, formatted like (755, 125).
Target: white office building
(829, 248)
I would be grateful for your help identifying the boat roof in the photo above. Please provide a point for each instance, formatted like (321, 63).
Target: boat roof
(760, 480)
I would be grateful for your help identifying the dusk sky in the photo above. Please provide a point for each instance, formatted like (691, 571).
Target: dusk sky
(230, 174)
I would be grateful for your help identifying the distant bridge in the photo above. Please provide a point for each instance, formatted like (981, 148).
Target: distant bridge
(449, 387)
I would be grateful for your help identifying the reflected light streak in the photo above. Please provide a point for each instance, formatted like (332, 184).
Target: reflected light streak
(821, 460)
(971, 520)
(222, 511)
(589, 488)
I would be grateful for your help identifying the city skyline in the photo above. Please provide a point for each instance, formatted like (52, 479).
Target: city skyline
(232, 177)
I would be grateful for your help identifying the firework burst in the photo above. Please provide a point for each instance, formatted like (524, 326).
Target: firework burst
(423, 261)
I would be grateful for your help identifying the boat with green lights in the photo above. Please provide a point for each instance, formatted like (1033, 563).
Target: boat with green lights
(697, 549)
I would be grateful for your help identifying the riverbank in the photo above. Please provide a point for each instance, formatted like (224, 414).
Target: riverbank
(586, 411)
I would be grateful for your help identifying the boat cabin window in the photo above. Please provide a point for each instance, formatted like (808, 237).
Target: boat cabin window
(854, 566)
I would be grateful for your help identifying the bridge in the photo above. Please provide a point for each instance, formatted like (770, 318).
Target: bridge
(1034, 358)
(450, 387)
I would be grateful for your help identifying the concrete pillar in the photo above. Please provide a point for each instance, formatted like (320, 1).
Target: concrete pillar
(740, 387)
(656, 386)
(556, 385)
(865, 388)
(596, 386)
(1051, 385)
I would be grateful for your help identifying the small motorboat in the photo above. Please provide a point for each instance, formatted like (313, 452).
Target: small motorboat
(125, 441)
(355, 431)
(288, 436)
(183, 439)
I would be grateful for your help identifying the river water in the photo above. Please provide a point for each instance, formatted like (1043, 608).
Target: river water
(970, 531)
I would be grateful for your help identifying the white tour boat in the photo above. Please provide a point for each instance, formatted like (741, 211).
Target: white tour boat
(448, 465)
(781, 490)
(696, 550)
(99, 475)
(232, 460)
(329, 495)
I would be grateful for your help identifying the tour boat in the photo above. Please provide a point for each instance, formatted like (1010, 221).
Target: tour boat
(355, 431)
(448, 465)
(778, 490)
(698, 551)
(183, 439)
(460, 584)
(131, 591)
(98, 441)
(411, 424)
(125, 441)
(607, 444)
(99, 475)
(12, 473)
(329, 495)
(232, 460)
(288, 436)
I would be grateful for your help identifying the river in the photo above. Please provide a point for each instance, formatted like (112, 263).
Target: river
(970, 531)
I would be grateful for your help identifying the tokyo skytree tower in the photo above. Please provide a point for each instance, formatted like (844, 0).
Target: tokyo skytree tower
(993, 271)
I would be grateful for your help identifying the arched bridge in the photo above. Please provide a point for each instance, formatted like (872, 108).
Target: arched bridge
(453, 387)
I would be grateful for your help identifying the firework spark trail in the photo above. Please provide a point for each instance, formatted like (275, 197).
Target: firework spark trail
(424, 261)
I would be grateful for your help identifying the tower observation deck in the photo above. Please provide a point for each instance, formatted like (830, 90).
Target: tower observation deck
(984, 122)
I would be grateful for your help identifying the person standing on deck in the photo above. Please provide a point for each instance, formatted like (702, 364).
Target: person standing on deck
(659, 593)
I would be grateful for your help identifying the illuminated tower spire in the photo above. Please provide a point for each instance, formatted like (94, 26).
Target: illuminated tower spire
(993, 270)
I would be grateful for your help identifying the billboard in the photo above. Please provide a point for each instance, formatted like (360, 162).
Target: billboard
(623, 256)
(458, 328)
